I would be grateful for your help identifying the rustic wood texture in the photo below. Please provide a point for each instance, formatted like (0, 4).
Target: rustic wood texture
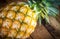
(40, 33)
(55, 23)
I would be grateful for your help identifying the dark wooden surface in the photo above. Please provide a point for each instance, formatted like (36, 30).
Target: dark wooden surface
(40, 33)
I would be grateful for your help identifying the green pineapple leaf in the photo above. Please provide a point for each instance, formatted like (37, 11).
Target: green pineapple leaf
(44, 9)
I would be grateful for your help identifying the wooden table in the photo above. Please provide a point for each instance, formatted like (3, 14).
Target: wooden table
(40, 33)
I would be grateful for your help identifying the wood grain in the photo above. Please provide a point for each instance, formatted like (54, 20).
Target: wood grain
(41, 33)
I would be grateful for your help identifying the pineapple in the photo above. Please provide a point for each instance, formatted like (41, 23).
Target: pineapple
(18, 20)
(20, 17)
(11, 14)
(7, 23)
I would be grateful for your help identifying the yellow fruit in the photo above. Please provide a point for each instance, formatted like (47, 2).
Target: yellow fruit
(17, 21)
(1, 21)
(3, 31)
(30, 29)
(15, 8)
(20, 34)
(3, 13)
(24, 27)
(26, 35)
(23, 9)
(12, 33)
(33, 22)
(11, 14)
(16, 25)
(30, 13)
(27, 20)
(20, 17)
(7, 23)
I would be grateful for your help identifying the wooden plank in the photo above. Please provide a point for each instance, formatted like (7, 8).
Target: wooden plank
(41, 33)
(56, 25)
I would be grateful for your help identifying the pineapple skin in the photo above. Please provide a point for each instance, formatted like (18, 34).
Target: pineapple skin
(17, 20)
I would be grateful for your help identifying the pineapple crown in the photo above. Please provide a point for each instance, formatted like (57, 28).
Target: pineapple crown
(44, 8)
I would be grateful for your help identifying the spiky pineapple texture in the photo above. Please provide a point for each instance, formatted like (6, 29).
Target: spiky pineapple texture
(18, 20)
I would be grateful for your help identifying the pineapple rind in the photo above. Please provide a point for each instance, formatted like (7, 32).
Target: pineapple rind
(11, 14)
(20, 17)
(7, 23)
(3, 31)
(16, 25)
(18, 20)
